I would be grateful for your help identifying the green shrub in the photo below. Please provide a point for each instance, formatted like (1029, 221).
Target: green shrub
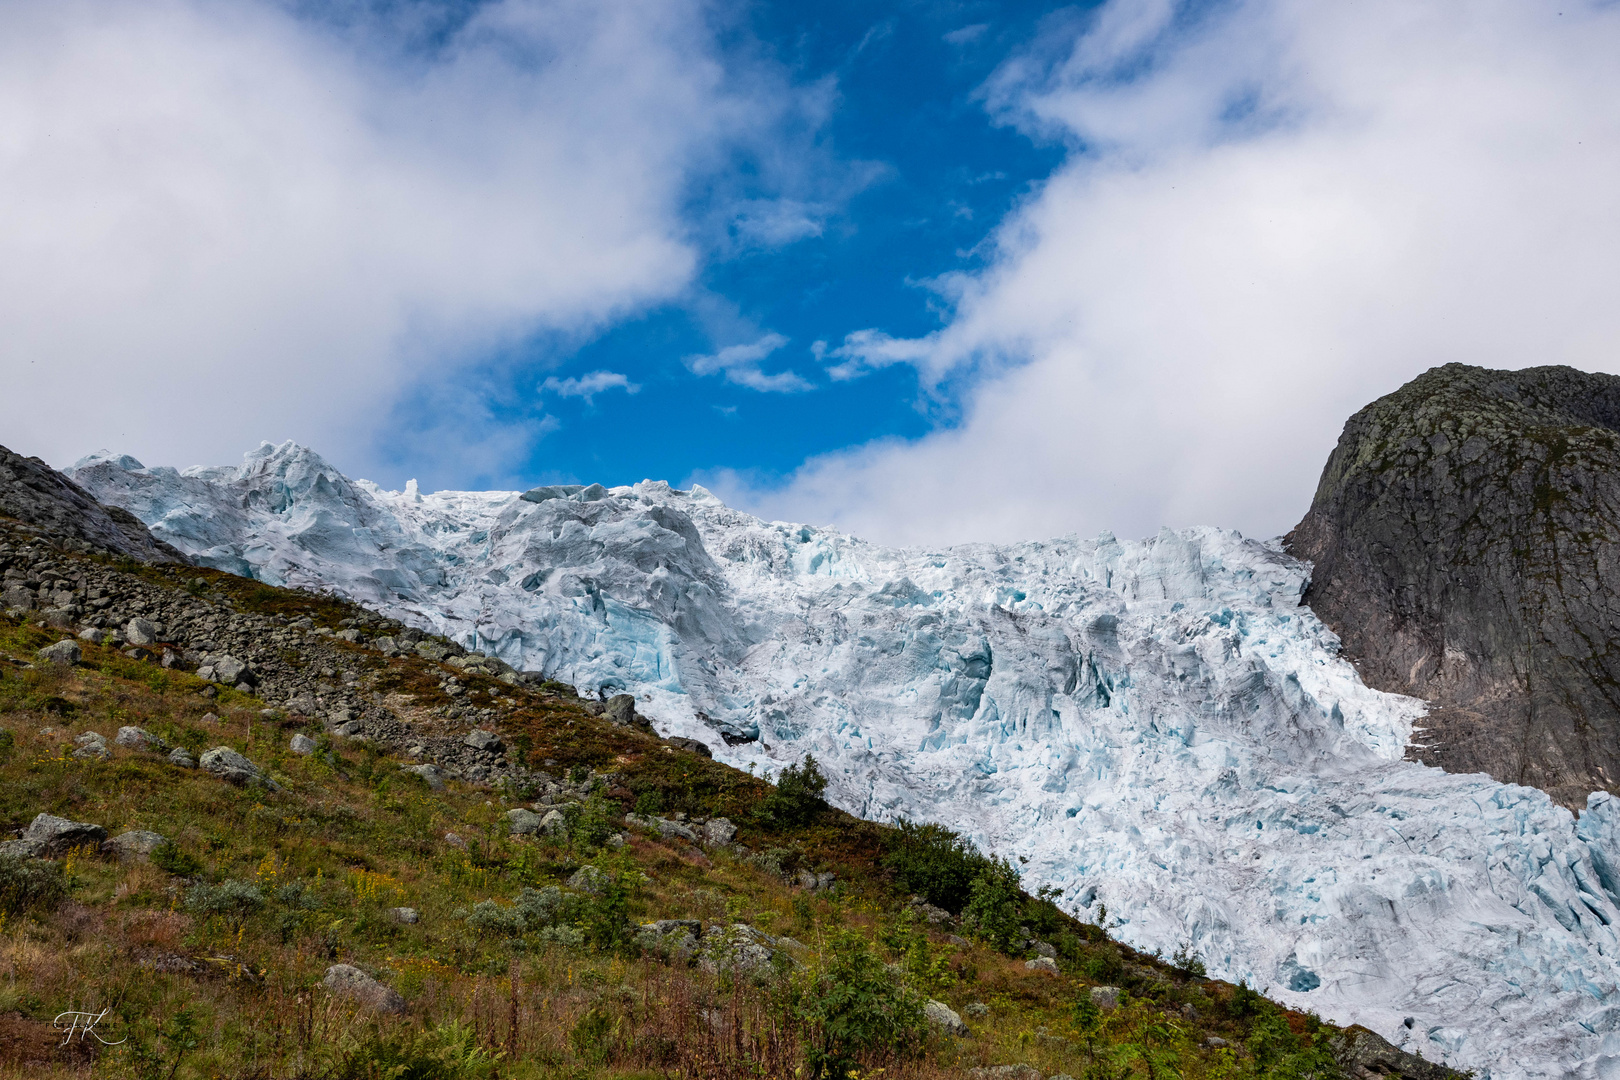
(168, 856)
(493, 919)
(227, 898)
(29, 884)
(8, 742)
(935, 863)
(995, 905)
(796, 799)
(852, 1006)
(447, 1052)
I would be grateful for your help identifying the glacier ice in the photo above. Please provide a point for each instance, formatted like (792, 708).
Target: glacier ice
(1154, 725)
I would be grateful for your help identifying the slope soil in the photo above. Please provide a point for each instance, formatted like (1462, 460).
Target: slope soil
(1466, 542)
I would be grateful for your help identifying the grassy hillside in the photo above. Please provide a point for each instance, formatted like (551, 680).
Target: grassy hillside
(810, 942)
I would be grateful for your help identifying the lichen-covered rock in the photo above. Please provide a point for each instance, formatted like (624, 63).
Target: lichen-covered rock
(65, 652)
(719, 831)
(350, 982)
(1465, 551)
(945, 1018)
(55, 835)
(301, 744)
(1042, 963)
(136, 844)
(1105, 997)
(523, 822)
(231, 766)
(1364, 1055)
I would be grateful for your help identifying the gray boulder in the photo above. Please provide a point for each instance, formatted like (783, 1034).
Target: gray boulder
(17, 598)
(140, 632)
(523, 822)
(1105, 998)
(92, 635)
(555, 823)
(406, 915)
(134, 738)
(428, 773)
(485, 741)
(57, 835)
(137, 844)
(719, 831)
(181, 758)
(621, 710)
(1006, 1072)
(588, 879)
(345, 981)
(698, 748)
(1042, 963)
(229, 670)
(231, 766)
(92, 745)
(66, 652)
(944, 1017)
(302, 744)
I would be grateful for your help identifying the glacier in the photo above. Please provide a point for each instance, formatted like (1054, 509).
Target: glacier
(1157, 726)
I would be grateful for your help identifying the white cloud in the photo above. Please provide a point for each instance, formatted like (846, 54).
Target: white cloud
(589, 385)
(216, 219)
(1276, 211)
(740, 364)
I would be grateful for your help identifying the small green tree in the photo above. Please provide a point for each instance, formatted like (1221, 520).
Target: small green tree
(995, 904)
(935, 863)
(796, 799)
(854, 1005)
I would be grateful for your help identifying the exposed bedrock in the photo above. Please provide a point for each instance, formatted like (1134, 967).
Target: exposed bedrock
(1466, 541)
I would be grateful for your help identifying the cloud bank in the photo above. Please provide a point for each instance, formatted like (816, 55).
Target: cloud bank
(1273, 213)
(218, 218)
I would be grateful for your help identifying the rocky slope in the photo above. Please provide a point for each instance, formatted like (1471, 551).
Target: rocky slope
(33, 492)
(1158, 725)
(1466, 542)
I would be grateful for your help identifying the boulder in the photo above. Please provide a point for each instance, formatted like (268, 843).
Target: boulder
(229, 670)
(56, 835)
(137, 844)
(66, 652)
(93, 635)
(523, 822)
(588, 879)
(231, 766)
(1042, 963)
(719, 831)
(134, 738)
(1365, 1055)
(428, 773)
(180, 757)
(346, 981)
(92, 744)
(944, 1017)
(302, 744)
(484, 741)
(1105, 998)
(555, 823)
(621, 710)
(1005, 1072)
(17, 598)
(140, 632)
(405, 915)
(681, 743)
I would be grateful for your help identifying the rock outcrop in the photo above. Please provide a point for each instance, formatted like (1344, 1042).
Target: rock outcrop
(1466, 542)
(33, 492)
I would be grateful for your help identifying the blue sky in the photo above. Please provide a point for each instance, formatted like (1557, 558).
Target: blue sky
(907, 175)
(928, 272)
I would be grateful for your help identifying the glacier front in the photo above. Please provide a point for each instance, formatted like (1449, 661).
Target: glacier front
(1157, 726)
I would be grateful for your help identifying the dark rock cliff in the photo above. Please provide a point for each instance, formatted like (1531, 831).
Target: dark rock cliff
(36, 494)
(1466, 541)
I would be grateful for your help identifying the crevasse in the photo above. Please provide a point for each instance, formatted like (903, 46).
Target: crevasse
(1156, 726)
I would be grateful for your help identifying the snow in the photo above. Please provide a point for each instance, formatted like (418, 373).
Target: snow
(1156, 726)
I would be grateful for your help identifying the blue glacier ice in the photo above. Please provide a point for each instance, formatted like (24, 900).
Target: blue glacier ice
(1156, 725)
